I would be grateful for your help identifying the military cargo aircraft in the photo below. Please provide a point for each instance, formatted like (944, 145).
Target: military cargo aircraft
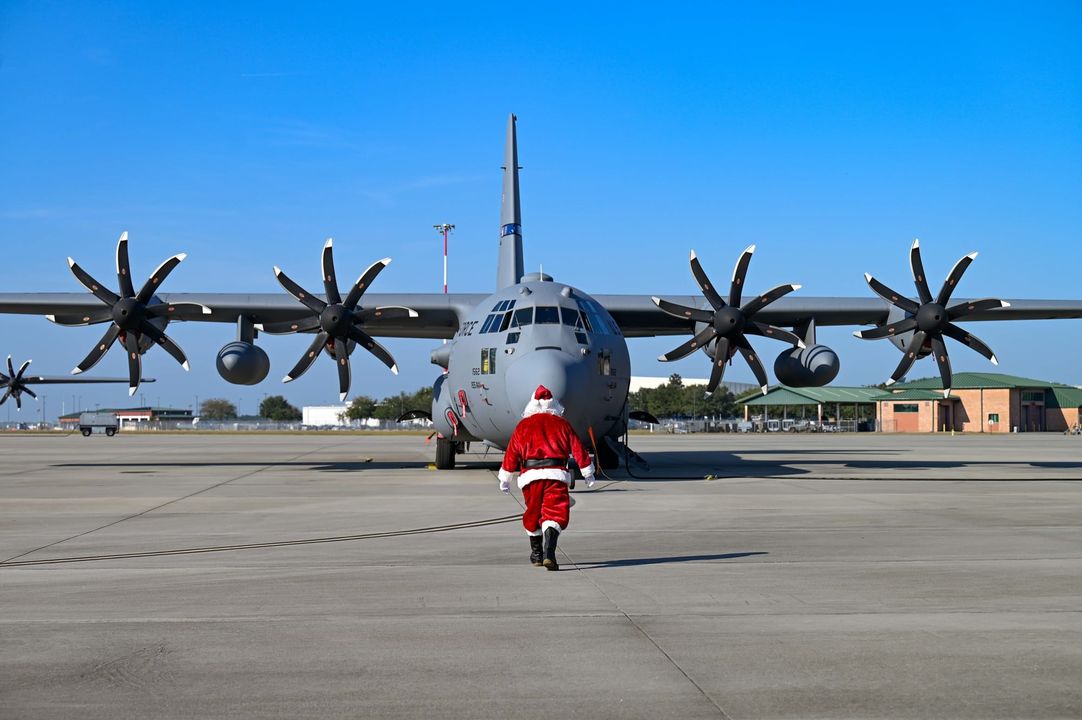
(531, 330)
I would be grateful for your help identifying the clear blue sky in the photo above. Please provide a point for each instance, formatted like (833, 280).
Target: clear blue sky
(829, 134)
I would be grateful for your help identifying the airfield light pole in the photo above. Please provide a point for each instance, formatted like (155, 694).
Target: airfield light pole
(444, 229)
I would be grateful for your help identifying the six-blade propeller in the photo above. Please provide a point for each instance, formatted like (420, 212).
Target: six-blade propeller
(336, 322)
(728, 324)
(14, 385)
(130, 312)
(930, 318)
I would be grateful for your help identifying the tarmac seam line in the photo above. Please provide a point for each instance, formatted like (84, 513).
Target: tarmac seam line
(158, 507)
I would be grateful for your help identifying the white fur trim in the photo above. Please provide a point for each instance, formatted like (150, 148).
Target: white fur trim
(506, 477)
(535, 533)
(552, 407)
(529, 476)
(588, 471)
(551, 524)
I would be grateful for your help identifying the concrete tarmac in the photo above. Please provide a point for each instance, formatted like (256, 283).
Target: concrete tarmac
(832, 576)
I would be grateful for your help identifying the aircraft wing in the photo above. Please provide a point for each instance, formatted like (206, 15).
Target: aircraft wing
(65, 380)
(438, 315)
(638, 316)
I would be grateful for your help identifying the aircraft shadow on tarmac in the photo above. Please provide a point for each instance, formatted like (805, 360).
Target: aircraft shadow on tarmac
(665, 466)
(632, 562)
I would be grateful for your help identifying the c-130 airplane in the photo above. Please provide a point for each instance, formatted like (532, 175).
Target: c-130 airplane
(531, 331)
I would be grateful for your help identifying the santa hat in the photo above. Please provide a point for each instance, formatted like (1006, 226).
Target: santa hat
(542, 401)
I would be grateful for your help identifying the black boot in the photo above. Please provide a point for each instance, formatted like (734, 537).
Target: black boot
(550, 548)
(535, 550)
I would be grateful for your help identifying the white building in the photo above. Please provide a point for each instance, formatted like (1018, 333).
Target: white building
(320, 415)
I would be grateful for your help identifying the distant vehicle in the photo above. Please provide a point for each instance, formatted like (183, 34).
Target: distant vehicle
(106, 422)
(773, 425)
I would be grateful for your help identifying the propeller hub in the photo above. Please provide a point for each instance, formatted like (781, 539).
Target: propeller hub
(729, 321)
(932, 317)
(128, 313)
(336, 320)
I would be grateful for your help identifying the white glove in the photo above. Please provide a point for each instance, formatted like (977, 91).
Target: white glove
(590, 480)
(505, 486)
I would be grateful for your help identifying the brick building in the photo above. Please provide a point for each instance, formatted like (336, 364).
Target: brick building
(980, 402)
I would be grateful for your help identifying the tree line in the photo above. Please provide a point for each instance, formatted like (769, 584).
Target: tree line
(363, 407)
(674, 399)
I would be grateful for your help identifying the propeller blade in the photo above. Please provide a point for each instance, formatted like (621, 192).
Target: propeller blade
(7, 394)
(939, 349)
(123, 266)
(771, 331)
(756, 304)
(22, 369)
(135, 361)
(895, 328)
(970, 341)
(165, 341)
(312, 303)
(690, 346)
(330, 284)
(91, 317)
(683, 312)
(30, 392)
(752, 359)
(952, 279)
(341, 355)
(919, 278)
(308, 358)
(363, 282)
(967, 308)
(894, 298)
(11, 369)
(18, 400)
(369, 344)
(387, 312)
(181, 310)
(104, 294)
(740, 272)
(99, 350)
(703, 281)
(157, 277)
(289, 326)
(911, 352)
(717, 370)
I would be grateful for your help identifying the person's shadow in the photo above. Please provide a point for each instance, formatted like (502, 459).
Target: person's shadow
(632, 562)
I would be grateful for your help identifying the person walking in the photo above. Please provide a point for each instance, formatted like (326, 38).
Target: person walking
(538, 453)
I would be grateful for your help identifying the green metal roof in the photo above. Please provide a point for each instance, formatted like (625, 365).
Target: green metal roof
(913, 394)
(976, 380)
(1063, 397)
(783, 395)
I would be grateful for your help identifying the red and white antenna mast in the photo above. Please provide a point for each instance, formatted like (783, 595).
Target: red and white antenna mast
(444, 229)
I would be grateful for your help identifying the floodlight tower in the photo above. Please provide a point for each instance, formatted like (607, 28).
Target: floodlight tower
(445, 230)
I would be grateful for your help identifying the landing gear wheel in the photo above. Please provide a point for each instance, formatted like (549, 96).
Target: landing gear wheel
(608, 458)
(86, 432)
(445, 453)
(109, 432)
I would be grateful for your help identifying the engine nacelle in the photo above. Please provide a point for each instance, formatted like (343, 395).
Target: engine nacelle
(813, 366)
(242, 363)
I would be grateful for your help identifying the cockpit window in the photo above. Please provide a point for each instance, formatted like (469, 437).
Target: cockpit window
(596, 319)
(569, 316)
(547, 315)
(523, 317)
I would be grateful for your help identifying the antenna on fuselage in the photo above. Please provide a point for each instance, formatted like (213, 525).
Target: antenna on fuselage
(510, 269)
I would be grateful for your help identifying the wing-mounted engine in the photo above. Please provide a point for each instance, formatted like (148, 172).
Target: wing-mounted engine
(137, 320)
(923, 324)
(813, 365)
(337, 322)
(722, 330)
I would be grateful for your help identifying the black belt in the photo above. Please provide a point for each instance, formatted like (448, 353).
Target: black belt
(545, 463)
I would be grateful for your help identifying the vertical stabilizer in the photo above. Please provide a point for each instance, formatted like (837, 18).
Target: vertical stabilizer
(510, 269)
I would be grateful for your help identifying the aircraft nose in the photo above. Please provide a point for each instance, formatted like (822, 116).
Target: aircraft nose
(564, 374)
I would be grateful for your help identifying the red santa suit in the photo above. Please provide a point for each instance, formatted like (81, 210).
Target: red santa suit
(538, 453)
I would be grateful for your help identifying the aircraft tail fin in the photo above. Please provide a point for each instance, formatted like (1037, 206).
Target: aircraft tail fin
(510, 269)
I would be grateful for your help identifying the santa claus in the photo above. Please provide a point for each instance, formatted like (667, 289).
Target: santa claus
(538, 453)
